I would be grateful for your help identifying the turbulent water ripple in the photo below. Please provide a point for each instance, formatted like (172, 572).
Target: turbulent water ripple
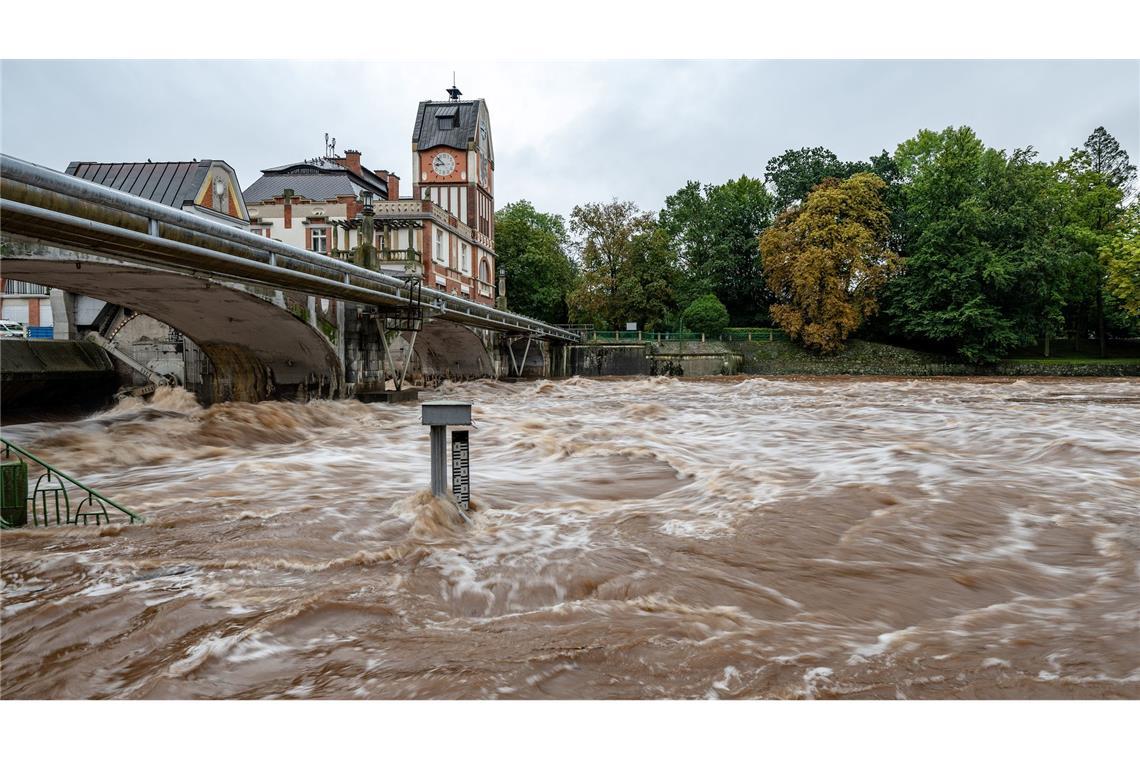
(631, 538)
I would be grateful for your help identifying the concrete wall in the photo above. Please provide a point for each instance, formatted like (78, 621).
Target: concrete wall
(688, 358)
(39, 372)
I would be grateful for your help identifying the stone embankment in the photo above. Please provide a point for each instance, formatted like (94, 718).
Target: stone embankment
(695, 358)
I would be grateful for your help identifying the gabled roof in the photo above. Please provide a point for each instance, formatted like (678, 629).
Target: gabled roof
(317, 179)
(427, 132)
(173, 183)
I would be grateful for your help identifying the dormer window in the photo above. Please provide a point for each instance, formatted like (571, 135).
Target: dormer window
(447, 118)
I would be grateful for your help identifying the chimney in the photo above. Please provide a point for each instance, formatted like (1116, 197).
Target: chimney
(393, 187)
(352, 161)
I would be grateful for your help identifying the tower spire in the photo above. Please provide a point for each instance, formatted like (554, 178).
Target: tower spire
(453, 91)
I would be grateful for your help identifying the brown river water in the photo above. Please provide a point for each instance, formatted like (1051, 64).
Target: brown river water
(644, 538)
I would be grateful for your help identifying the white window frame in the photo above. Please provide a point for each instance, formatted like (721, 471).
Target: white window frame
(465, 258)
(439, 250)
(313, 239)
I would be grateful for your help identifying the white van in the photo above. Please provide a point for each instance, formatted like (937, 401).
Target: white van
(12, 329)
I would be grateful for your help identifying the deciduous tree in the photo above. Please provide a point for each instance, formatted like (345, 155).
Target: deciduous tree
(827, 260)
(531, 248)
(706, 315)
(981, 269)
(794, 173)
(628, 271)
(1120, 256)
(714, 231)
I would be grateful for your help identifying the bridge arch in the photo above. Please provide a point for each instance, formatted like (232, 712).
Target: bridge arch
(443, 351)
(257, 349)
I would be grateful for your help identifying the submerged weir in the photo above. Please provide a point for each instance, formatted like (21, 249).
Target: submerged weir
(648, 538)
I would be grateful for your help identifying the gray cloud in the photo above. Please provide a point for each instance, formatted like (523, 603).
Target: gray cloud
(565, 133)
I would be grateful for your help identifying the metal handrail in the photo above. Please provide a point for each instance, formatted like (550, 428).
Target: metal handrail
(257, 252)
(94, 498)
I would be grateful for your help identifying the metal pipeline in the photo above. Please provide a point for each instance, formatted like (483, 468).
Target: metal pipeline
(266, 253)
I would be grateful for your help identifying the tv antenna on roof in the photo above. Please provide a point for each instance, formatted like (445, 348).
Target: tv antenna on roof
(330, 146)
(453, 91)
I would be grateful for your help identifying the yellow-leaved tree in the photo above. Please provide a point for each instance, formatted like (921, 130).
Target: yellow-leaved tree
(826, 260)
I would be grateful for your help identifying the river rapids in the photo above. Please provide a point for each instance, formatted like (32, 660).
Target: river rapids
(643, 538)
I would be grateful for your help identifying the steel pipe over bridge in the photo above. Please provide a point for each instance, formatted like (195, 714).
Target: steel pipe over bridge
(51, 207)
(222, 287)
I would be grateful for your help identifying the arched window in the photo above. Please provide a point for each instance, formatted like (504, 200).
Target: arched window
(484, 270)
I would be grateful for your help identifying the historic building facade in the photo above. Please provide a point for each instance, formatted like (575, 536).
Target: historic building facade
(443, 232)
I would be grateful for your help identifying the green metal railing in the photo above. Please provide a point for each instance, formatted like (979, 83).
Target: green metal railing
(755, 335)
(49, 502)
(736, 335)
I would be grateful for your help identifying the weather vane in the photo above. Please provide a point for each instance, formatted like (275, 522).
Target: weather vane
(453, 91)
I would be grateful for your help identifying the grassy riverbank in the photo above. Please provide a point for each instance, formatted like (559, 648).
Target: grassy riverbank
(861, 357)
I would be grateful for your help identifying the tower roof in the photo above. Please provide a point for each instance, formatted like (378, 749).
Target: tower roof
(453, 123)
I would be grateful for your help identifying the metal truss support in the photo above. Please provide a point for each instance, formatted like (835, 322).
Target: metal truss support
(398, 374)
(518, 367)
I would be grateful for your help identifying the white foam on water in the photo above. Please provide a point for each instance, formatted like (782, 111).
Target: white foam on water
(255, 647)
(884, 642)
(729, 675)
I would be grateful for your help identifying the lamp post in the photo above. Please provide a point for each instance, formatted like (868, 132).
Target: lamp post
(366, 257)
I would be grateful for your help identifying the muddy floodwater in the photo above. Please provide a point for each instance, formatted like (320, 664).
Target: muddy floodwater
(648, 538)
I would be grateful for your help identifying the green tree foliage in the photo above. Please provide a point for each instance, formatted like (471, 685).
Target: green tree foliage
(714, 230)
(794, 173)
(531, 249)
(827, 260)
(629, 273)
(982, 269)
(1120, 256)
(706, 315)
(1093, 182)
(1107, 157)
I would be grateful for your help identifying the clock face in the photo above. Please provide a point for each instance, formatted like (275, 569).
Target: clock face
(443, 164)
(483, 132)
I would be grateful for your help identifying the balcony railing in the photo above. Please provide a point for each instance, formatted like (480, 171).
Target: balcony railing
(398, 208)
(400, 254)
(408, 258)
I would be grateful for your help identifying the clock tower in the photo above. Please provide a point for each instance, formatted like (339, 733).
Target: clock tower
(453, 161)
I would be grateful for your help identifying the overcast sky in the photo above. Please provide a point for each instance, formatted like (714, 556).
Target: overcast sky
(565, 133)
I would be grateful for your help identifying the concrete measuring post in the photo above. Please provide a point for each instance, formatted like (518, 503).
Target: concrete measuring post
(438, 415)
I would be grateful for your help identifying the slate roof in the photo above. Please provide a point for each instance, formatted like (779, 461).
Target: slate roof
(322, 180)
(427, 133)
(173, 183)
